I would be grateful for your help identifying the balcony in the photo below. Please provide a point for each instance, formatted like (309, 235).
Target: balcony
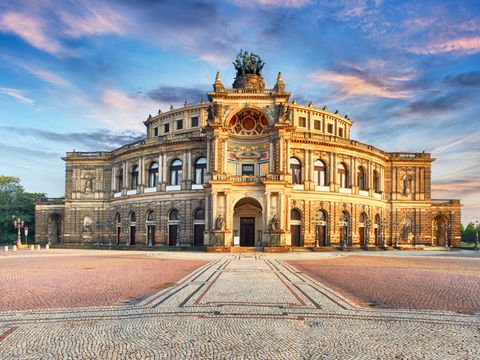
(51, 201)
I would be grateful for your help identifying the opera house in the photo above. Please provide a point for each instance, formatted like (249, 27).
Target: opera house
(248, 168)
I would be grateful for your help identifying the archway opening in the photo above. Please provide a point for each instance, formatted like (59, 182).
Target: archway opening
(55, 229)
(247, 221)
(440, 230)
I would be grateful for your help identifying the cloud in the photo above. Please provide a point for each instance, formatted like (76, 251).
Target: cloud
(438, 104)
(359, 84)
(43, 74)
(462, 185)
(273, 3)
(176, 94)
(460, 46)
(102, 139)
(49, 25)
(16, 94)
(469, 79)
(27, 152)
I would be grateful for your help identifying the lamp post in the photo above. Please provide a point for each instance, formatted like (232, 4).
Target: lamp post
(149, 231)
(18, 223)
(126, 225)
(98, 226)
(396, 223)
(477, 229)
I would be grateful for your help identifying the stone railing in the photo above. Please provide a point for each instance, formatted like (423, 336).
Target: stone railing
(246, 179)
(409, 155)
(445, 202)
(51, 201)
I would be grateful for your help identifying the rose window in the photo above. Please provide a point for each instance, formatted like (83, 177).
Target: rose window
(248, 122)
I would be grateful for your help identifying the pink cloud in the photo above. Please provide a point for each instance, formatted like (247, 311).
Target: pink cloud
(461, 46)
(17, 95)
(31, 29)
(273, 3)
(351, 85)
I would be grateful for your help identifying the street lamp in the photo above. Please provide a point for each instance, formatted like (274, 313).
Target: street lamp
(110, 230)
(477, 228)
(98, 226)
(18, 223)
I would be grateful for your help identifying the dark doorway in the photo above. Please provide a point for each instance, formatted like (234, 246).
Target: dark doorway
(151, 234)
(133, 233)
(247, 231)
(322, 235)
(361, 231)
(198, 230)
(295, 230)
(172, 235)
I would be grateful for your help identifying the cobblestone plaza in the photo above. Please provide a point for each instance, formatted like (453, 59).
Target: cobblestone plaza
(249, 305)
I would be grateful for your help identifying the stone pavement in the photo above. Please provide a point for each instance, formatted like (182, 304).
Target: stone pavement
(245, 306)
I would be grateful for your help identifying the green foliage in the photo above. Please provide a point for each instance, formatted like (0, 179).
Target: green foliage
(468, 233)
(15, 202)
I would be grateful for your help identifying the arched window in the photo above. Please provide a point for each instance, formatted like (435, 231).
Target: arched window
(362, 183)
(342, 175)
(133, 217)
(199, 214)
(176, 172)
(150, 228)
(376, 181)
(118, 218)
(319, 173)
(134, 178)
(173, 215)
(296, 170)
(295, 215)
(151, 216)
(119, 180)
(153, 174)
(200, 166)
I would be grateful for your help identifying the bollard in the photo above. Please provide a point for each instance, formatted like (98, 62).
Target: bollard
(14, 248)
(38, 247)
(6, 248)
(47, 247)
(32, 247)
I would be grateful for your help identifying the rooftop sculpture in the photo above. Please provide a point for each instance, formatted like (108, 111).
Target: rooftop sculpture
(248, 63)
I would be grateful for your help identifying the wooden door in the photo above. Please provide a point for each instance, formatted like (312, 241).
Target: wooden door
(247, 231)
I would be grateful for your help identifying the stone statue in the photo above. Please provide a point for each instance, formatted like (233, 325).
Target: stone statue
(246, 63)
(219, 223)
(88, 184)
(274, 223)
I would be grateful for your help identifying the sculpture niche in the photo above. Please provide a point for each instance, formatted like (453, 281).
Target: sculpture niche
(249, 72)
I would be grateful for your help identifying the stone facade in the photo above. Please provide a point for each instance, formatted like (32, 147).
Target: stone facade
(248, 168)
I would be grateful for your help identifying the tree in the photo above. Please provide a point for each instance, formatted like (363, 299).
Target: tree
(14, 202)
(469, 233)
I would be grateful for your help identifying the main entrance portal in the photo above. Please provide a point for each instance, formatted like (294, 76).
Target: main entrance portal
(247, 221)
(247, 231)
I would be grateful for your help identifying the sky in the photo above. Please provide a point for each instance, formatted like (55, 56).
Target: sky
(84, 74)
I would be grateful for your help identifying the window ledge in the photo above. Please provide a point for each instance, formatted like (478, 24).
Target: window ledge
(363, 192)
(150, 189)
(173, 188)
(132, 192)
(117, 194)
(197, 186)
(298, 187)
(377, 195)
(322, 188)
(345, 190)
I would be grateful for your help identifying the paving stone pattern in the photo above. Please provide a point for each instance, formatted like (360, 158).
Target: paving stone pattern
(240, 307)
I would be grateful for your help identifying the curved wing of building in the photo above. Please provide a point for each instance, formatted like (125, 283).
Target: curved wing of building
(248, 168)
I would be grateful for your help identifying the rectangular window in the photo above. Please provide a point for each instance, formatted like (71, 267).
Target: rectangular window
(330, 128)
(340, 132)
(302, 121)
(155, 131)
(248, 170)
(317, 125)
(179, 124)
(194, 120)
(166, 128)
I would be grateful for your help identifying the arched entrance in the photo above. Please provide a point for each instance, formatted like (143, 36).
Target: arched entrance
(133, 228)
(173, 230)
(321, 228)
(345, 239)
(377, 230)
(247, 221)
(440, 230)
(55, 229)
(296, 227)
(198, 227)
(118, 227)
(362, 229)
(150, 223)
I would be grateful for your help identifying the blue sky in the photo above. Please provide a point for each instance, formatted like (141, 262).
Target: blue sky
(85, 74)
